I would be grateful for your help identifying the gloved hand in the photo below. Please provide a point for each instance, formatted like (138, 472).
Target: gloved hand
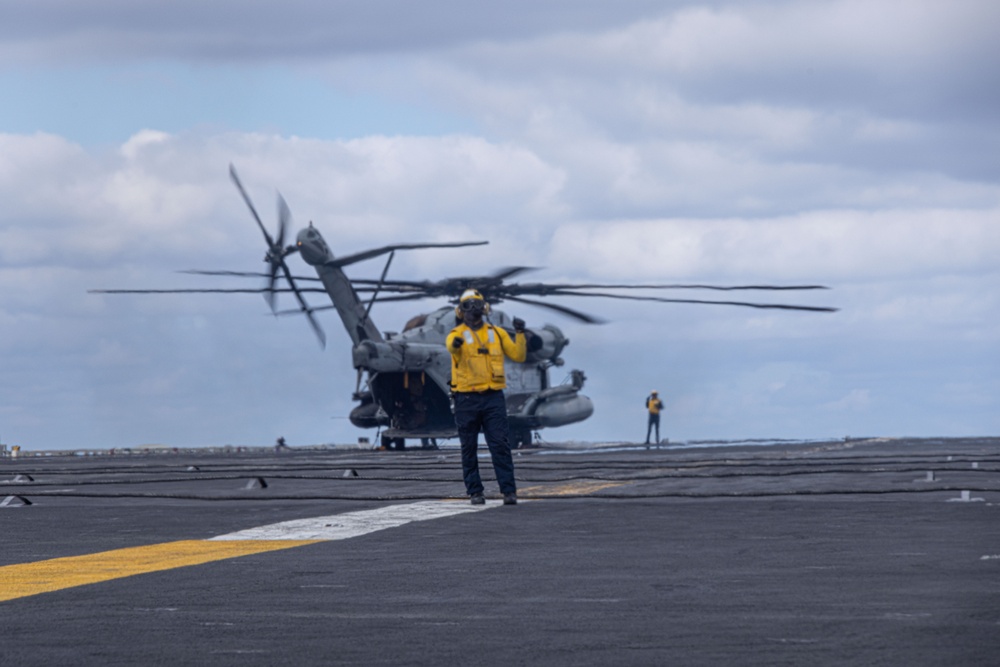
(457, 342)
(518, 325)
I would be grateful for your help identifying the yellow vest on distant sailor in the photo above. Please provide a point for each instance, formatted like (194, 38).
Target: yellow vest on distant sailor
(478, 364)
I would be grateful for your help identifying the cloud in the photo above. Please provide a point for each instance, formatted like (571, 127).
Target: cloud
(850, 88)
(856, 399)
(170, 196)
(834, 245)
(847, 53)
(844, 143)
(260, 30)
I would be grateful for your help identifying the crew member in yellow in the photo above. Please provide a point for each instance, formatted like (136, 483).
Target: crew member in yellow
(477, 382)
(655, 406)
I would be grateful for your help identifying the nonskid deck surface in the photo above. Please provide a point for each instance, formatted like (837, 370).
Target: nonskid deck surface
(857, 552)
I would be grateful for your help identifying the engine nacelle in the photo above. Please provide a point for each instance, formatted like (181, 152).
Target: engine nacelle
(545, 344)
(395, 356)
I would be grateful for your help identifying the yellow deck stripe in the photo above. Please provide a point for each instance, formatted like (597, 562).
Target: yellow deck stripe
(571, 489)
(26, 579)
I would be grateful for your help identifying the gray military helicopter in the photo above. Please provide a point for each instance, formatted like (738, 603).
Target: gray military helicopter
(403, 379)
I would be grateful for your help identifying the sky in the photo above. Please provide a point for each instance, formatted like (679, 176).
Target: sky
(848, 143)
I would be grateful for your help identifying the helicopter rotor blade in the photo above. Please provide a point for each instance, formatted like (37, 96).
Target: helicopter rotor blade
(549, 287)
(276, 256)
(413, 284)
(378, 287)
(630, 297)
(284, 215)
(570, 312)
(405, 297)
(381, 299)
(454, 286)
(511, 271)
(246, 198)
(298, 311)
(242, 274)
(206, 290)
(375, 252)
(272, 274)
(451, 287)
(276, 253)
(317, 329)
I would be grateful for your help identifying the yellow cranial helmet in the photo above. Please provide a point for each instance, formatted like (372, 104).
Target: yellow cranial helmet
(470, 294)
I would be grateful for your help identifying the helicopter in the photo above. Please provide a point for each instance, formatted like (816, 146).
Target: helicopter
(403, 384)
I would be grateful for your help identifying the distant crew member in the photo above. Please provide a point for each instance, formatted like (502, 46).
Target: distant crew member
(655, 406)
(477, 382)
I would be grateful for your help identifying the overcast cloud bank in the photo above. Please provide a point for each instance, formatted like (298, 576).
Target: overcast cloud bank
(843, 143)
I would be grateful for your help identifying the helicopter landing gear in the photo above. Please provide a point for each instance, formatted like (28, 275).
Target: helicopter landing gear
(387, 443)
(520, 438)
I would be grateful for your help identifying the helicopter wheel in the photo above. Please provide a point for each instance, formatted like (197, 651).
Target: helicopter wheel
(521, 438)
(387, 443)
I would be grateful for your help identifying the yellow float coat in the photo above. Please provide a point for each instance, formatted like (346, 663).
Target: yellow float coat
(478, 364)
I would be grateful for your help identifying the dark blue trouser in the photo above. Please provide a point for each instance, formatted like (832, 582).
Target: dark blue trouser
(654, 420)
(486, 411)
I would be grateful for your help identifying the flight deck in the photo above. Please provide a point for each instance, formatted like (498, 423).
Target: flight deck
(869, 551)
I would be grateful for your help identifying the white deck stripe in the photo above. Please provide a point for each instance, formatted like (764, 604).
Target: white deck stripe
(354, 524)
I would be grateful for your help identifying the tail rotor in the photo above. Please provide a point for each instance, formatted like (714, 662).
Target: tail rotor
(276, 254)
